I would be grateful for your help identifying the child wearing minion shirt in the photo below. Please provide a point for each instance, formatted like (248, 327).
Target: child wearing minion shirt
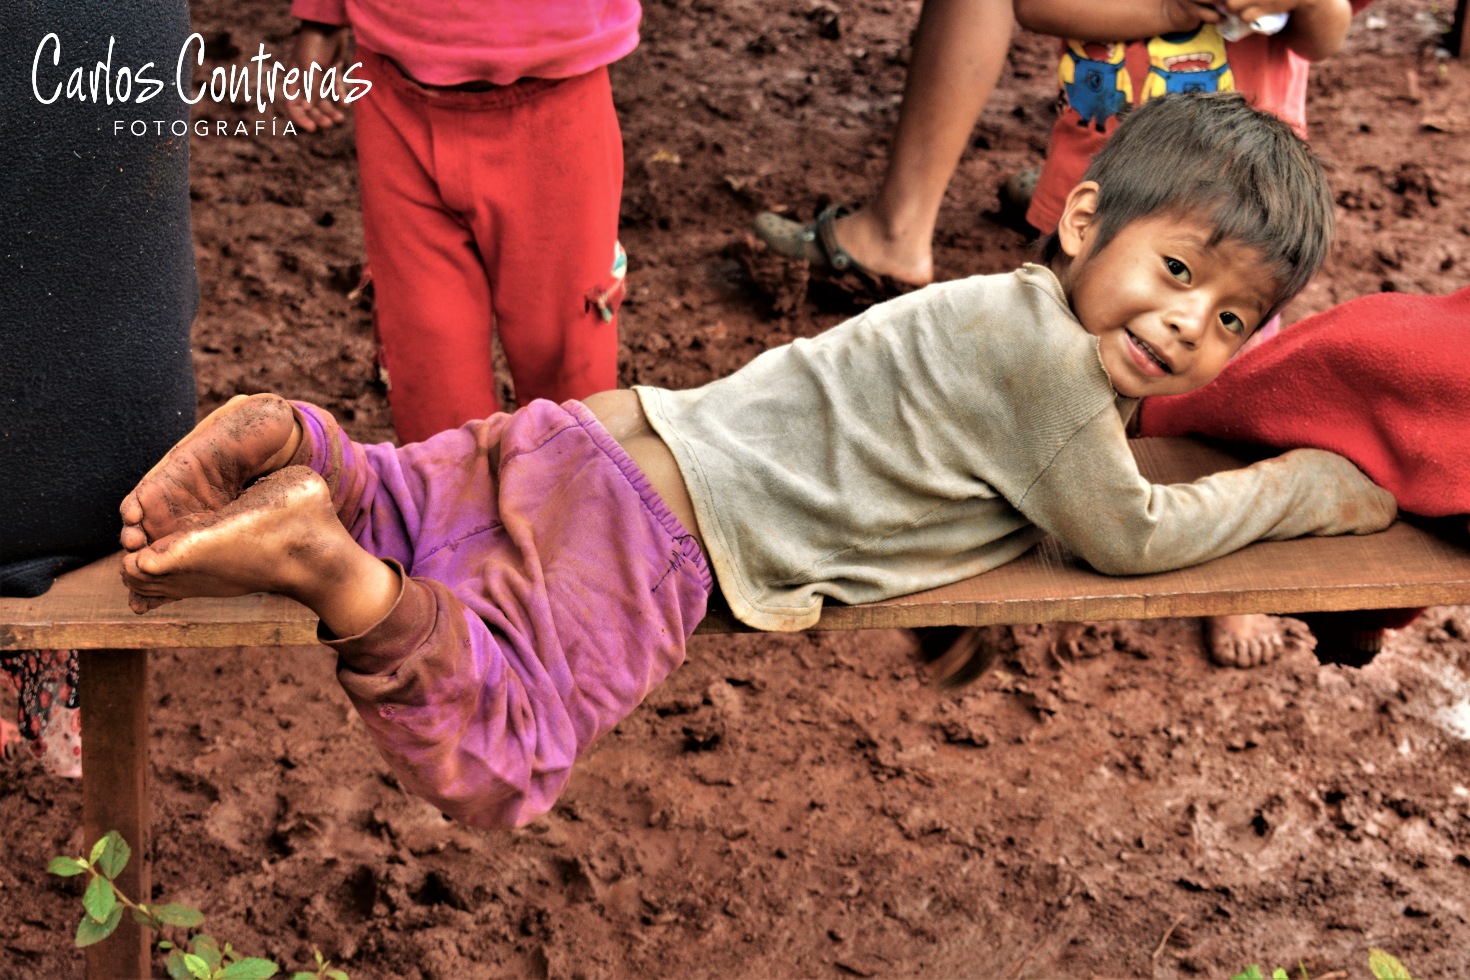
(1178, 47)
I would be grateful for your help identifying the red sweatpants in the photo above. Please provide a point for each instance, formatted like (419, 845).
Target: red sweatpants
(483, 211)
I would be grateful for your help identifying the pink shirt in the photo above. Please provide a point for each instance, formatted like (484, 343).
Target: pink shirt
(447, 42)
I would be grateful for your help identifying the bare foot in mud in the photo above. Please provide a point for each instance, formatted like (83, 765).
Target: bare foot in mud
(236, 443)
(280, 535)
(1253, 640)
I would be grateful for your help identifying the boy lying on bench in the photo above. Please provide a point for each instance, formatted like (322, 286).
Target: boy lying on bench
(502, 594)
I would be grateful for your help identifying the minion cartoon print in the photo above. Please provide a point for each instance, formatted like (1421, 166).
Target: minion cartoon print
(1094, 81)
(1187, 61)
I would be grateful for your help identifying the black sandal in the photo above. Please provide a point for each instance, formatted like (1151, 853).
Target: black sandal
(816, 244)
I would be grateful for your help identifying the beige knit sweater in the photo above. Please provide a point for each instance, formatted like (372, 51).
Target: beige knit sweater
(940, 435)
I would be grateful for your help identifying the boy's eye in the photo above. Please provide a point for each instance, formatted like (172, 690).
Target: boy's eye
(1177, 269)
(1232, 322)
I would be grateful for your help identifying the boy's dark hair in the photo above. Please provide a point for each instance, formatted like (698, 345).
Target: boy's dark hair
(1255, 178)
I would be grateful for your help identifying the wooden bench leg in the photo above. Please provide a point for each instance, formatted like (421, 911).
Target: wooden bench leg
(114, 702)
(1460, 32)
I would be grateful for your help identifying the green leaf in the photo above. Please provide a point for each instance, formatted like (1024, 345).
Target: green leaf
(250, 968)
(1252, 972)
(147, 921)
(337, 975)
(114, 854)
(303, 975)
(1385, 966)
(174, 914)
(99, 899)
(91, 931)
(65, 866)
(177, 969)
(98, 847)
(1279, 974)
(198, 969)
(206, 947)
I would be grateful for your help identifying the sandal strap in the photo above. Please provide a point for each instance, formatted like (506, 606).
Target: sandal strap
(837, 256)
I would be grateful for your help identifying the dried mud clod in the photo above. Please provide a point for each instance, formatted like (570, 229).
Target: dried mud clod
(782, 282)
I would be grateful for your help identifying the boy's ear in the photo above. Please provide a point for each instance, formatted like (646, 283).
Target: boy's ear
(1078, 215)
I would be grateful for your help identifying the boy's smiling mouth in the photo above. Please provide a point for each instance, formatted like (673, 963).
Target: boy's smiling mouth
(1145, 355)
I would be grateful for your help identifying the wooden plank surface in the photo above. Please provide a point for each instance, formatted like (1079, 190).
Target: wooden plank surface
(1406, 565)
(1403, 566)
(88, 610)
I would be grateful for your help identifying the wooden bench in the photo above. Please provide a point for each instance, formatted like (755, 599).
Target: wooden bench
(1407, 565)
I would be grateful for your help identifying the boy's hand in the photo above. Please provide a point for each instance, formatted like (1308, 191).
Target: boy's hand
(1316, 29)
(325, 46)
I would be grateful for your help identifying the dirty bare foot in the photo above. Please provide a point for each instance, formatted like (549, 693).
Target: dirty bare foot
(281, 535)
(237, 442)
(257, 542)
(1253, 640)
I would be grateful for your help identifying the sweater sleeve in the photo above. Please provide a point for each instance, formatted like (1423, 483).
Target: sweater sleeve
(1094, 500)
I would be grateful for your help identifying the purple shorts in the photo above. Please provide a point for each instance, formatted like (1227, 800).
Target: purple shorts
(551, 590)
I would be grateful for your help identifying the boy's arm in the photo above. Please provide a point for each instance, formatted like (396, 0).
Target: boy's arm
(1094, 500)
(1316, 29)
(1121, 20)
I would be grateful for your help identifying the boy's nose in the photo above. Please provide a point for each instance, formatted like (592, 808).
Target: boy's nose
(1190, 321)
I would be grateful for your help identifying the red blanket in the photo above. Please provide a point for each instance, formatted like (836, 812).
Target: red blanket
(1383, 380)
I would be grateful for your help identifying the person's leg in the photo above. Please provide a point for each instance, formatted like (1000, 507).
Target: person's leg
(959, 49)
(544, 166)
(48, 720)
(431, 295)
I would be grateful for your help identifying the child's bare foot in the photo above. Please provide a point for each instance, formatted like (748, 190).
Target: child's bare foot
(1254, 640)
(237, 442)
(281, 535)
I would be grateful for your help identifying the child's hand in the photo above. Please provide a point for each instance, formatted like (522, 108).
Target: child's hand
(1316, 28)
(323, 46)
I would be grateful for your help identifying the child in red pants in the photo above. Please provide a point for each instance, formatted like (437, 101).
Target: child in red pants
(491, 166)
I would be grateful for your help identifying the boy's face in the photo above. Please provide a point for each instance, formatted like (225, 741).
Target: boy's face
(1168, 308)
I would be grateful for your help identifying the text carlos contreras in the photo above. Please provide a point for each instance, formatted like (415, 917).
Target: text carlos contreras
(258, 82)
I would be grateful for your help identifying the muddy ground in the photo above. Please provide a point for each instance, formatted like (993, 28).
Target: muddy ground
(809, 805)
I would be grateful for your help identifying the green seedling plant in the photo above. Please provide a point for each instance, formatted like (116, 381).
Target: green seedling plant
(199, 957)
(1383, 966)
